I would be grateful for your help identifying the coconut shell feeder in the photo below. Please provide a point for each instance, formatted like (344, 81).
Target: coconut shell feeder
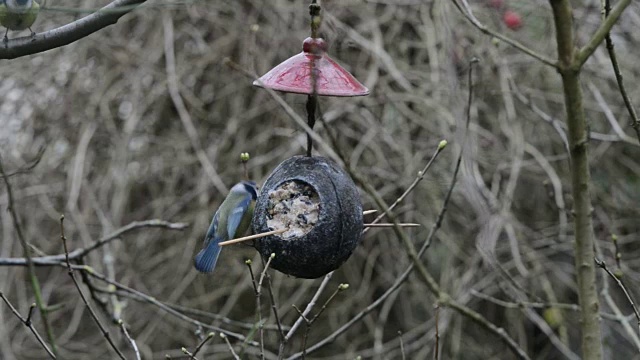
(312, 201)
(319, 206)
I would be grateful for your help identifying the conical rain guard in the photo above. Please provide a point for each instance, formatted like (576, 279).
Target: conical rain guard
(294, 74)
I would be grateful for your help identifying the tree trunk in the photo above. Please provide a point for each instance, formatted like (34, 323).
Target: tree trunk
(580, 180)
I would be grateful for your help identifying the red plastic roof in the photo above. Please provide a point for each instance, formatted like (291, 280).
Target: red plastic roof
(294, 74)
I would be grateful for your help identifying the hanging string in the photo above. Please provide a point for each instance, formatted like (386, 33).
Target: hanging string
(312, 101)
(316, 19)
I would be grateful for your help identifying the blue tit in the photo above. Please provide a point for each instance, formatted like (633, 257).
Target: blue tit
(18, 15)
(231, 219)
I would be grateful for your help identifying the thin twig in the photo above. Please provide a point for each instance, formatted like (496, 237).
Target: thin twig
(310, 322)
(153, 301)
(622, 286)
(248, 262)
(103, 330)
(102, 303)
(244, 159)
(213, 316)
(618, 316)
(27, 322)
(610, 116)
(226, 340)
(188, 353)
(28, 167)
(618, 254)
(35, 284)
(524, 304)
(82, 252)
(583, 55)
(401, 345)
(340, 288)
(258, 290)
(635, 122)
(413, 185)
(142, 297)
(274, 308)
(251, 237)
(68, 33)
(435, 352)
(303, 315)
(368, 212)
(200, 345)
(123, 327)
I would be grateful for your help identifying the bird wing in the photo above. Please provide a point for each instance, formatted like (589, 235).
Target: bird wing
(211, 233)
(236, 216)
(205, 260)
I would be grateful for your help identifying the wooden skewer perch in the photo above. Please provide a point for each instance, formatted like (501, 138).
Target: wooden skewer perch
(280, 231)
(251, 237)
(391, 225)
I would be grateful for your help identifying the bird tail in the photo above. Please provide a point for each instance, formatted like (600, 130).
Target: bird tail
(206, 259)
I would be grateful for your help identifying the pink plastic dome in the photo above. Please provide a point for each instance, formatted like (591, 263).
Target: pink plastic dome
(294, 74)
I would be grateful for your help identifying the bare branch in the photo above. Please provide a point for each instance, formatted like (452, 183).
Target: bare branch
(258, 295)
(27, 322)
(35, 284)
(69, 33)
(140, 296)
(199, 347)
(28, 167)
(94, 316)
(621, 285)
(635, 121)
(583, 55)
(307, 310)
(413, 185)
(233, 352)
(123, 327)
(82, 252)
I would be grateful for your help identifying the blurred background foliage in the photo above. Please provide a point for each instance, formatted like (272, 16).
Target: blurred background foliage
(116, 151)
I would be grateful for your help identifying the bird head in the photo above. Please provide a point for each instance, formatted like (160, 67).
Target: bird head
(247, 186)
(19, 6)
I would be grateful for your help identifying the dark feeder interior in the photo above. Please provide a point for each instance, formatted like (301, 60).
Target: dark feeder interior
(319, 205)
(311, 197)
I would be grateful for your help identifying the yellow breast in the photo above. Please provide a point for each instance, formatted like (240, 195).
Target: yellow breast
(18, 20)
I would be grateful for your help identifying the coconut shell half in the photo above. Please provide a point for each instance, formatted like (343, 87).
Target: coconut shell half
(319, 205)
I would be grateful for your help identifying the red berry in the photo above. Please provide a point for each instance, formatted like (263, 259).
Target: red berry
(512, 20)
(496, 4)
